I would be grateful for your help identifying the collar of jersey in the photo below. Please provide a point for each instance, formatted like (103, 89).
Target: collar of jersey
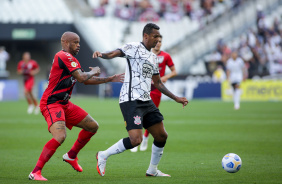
(145, 46)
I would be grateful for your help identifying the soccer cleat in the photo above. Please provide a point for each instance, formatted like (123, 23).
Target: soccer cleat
(158, 174)
(36, 110)
(72, 162)
(36, 176)
(144, 144)
(135, 149)
(101, 164)
(30, 109)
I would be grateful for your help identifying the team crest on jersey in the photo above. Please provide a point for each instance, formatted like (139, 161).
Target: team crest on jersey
(74, 64)
(147, 71)
(137, 120)
(160, 59)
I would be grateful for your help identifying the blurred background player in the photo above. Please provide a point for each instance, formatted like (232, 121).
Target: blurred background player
(59, 112)
(163, 59)
(29, 68)
(236, 72)
(4, 57)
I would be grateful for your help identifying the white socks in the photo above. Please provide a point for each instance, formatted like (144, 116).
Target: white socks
(114, 149)
(155, 158)
(236, 98)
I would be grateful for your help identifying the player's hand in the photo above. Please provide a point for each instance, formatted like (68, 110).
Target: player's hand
(163, 79)
(117, 78)
(97, 54)
(95, 70)
(182, 100)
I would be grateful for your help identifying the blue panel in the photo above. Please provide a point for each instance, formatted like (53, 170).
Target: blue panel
(208, 90)
(9, 90)
(116, 86)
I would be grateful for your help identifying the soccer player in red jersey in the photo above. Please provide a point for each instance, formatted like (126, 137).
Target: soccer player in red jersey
(29, 68)
(59, 112)
(164, 60)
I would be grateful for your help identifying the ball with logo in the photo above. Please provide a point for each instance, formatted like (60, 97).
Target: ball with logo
(231, 163)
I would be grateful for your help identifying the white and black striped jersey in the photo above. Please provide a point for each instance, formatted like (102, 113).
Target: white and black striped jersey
(141, 66)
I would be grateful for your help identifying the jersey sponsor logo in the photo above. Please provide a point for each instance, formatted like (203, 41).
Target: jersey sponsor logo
(147, 71)
(74, 64)
(137, 120)
(146, 96)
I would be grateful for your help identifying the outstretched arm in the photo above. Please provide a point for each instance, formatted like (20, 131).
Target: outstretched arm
(101, 80)
(170, 75)
(161, 87)
(108, 55)
(81, 76)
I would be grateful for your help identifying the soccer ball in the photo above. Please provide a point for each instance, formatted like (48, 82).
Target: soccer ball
(231, 163)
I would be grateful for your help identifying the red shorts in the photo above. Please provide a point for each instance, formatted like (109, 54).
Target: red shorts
(28, 84)
(71, 114)
(156, 99)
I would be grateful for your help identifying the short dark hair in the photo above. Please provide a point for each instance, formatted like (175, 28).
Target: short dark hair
(149, 27)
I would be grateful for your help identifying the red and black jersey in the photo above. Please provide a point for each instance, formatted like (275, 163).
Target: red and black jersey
(61, 81)
(27, 67)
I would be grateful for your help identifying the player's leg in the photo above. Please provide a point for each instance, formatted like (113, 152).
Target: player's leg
(134, 139)
(237, 94)
(58, 131)
(76, 116)
(156, 98)
(133, 118)
(160, 136)
(28, 99)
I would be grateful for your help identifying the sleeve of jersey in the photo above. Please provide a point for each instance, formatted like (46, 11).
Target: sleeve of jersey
(72, 64)
(128, 50)
(169, 61)
(155, 69)
(19, 66)
(35, 65)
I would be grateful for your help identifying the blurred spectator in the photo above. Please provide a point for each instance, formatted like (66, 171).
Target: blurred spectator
(146, 11)
(125, 9)
(207, 6)
(174, 10)
(4, 57)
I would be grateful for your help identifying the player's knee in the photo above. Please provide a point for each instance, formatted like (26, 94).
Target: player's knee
(60, 138)
(135, 141)
(93, 127)
(163, 137)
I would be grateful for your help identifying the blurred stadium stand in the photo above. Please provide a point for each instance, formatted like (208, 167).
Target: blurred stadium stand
(36, 26)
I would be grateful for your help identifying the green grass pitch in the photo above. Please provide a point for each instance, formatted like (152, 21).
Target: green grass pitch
(199, 136)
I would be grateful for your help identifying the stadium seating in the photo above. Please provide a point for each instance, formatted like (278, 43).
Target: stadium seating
(34, 11)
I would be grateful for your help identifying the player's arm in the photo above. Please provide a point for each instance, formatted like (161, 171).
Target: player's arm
(173, 73)
(245, 72)
(101, 80)
(35, 71)
(19, 71)
(161, 87)
(227, 74)
(108, 55)
(82, 76)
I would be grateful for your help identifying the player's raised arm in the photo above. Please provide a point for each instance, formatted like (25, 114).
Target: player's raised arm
(161, 87)
(81, 76)
(108, 55)
(100, 80)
